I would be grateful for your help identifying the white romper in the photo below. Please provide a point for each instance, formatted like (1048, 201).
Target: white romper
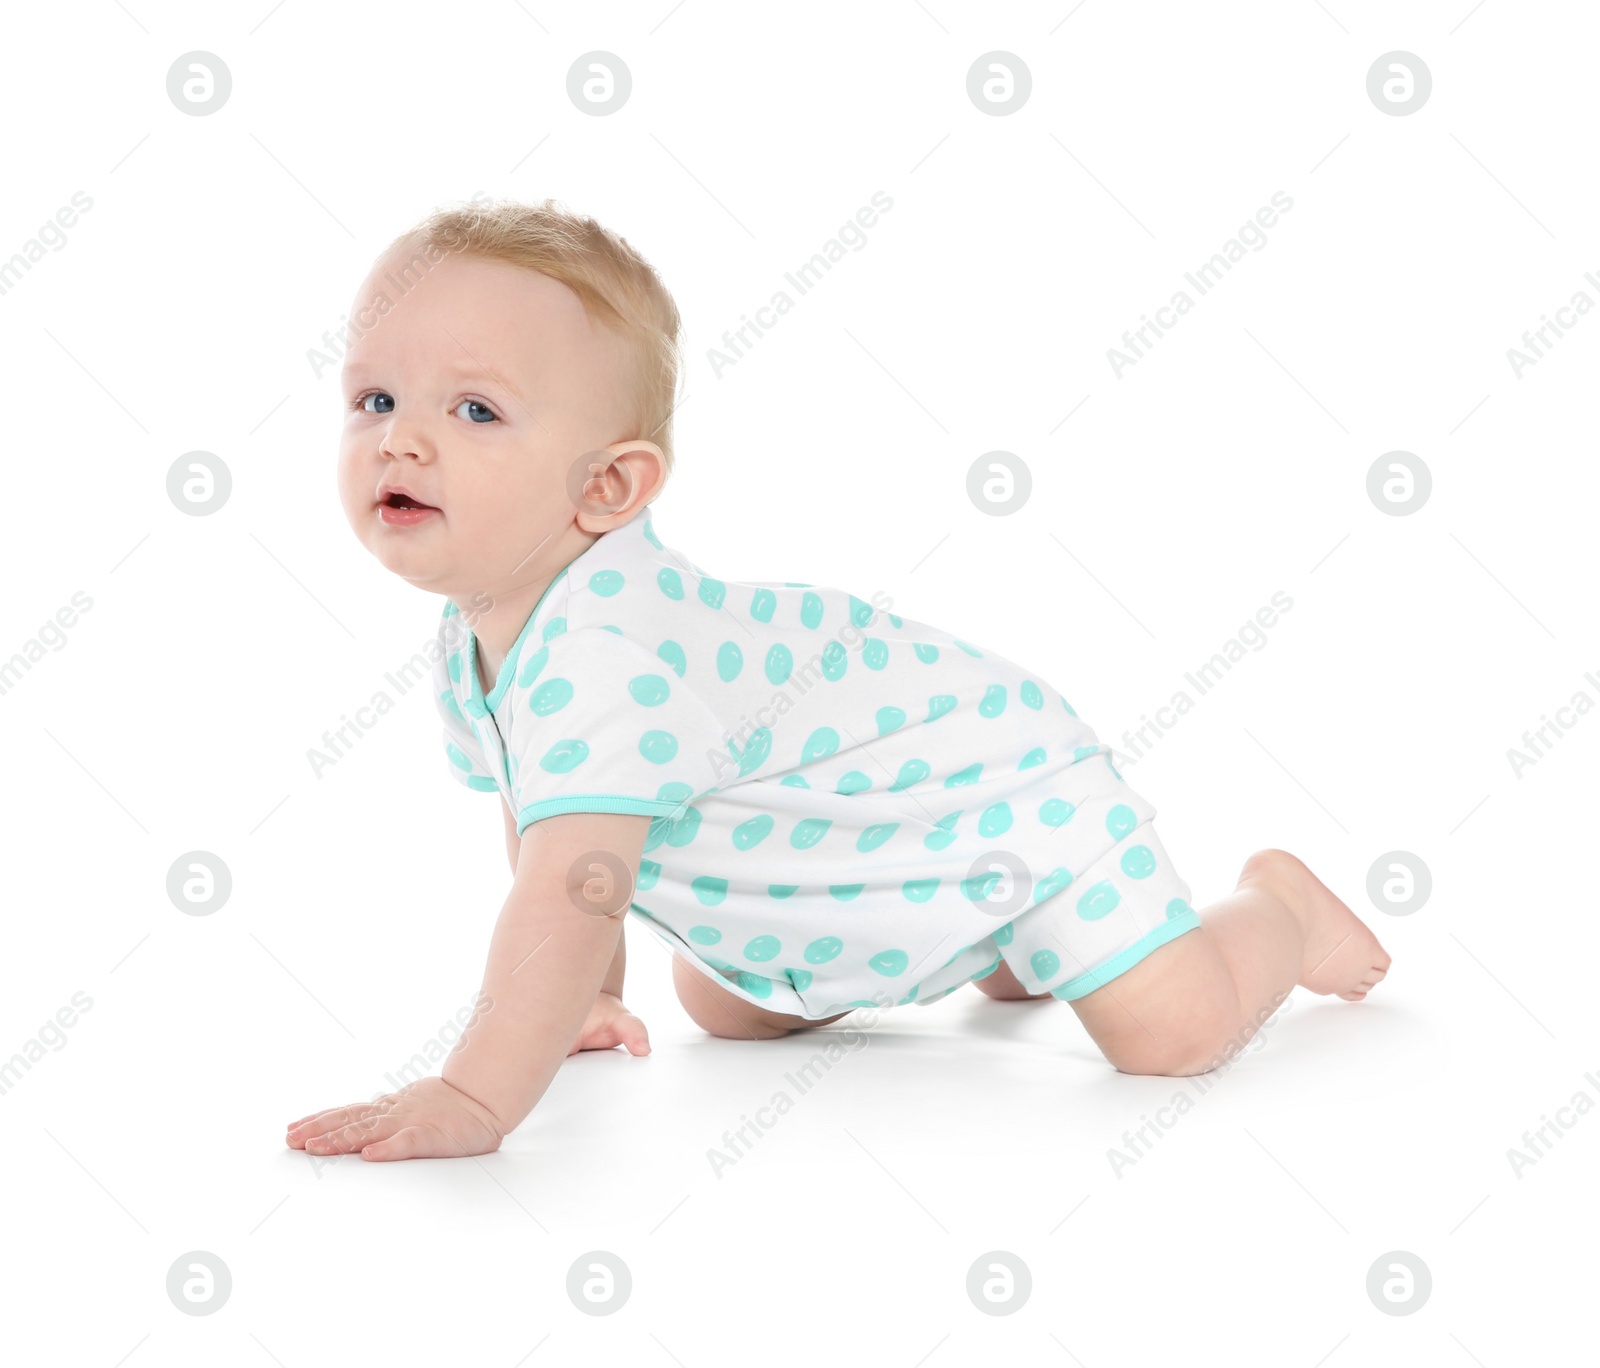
(851, 809)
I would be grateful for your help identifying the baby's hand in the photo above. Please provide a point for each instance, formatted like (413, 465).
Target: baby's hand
(610, 1024)
(427, 1119)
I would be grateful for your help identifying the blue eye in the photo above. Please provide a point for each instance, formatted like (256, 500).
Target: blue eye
(487, 413)
(377, 394)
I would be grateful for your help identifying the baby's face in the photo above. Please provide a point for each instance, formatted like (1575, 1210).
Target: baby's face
(478, 390)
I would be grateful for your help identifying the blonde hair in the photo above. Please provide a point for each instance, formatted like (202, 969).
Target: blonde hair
(619, 289)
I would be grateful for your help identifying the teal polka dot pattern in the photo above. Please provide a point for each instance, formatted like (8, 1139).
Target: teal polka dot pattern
(913, 772)
(649, 690)
(819, 745)
(1121, 820)
(1052, 883)
(776, 736)
(755, 984)
(532, 666)
(943, 834)
(680, 831)
(1138, 862)
(550, 697)
(874, 836)
(1099, 901)
(1055, 812)
(763, 948)
(657, 746)
(750, 833)
(823, 949)
(755, 751)
(564, 756)
(709, 890)
(977, 887)
(996, 820)
(808, 832)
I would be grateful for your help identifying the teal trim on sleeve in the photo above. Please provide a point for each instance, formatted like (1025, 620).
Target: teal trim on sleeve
(594, 802)
(1124, 960)
(508, 666)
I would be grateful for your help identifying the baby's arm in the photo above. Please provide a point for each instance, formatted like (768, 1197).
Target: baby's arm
(547, 960)
(609, 1023)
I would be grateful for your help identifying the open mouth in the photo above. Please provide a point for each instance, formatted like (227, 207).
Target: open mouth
(403, 501)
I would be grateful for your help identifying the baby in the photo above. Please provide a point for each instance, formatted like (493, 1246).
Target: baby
(818, 805)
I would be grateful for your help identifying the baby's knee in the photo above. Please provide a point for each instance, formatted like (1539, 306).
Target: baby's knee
(1202, 1045)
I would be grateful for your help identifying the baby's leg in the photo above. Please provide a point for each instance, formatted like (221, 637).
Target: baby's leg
(1002, 985)
(727, 1014)
(1194, 1002)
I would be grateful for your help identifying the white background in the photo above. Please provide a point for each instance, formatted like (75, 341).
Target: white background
(1227, 464)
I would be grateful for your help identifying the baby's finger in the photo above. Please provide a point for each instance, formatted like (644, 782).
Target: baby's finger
(409, 1142)
(318, 1122)
(347, 1139)
(634, 1035)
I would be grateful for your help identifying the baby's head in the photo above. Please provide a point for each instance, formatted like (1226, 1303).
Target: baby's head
(515, 368)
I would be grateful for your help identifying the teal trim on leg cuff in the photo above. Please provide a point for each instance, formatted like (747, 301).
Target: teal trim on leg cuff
(594, 802)
(1124, 960)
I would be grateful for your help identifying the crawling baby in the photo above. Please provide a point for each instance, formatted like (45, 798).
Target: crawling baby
(818, 805)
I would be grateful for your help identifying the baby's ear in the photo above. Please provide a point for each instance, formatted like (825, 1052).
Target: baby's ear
(608, 486)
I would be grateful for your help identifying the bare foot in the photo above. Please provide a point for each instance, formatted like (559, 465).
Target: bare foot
(1342, 955)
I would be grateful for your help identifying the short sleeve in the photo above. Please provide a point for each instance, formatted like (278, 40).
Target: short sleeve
(602, 724)
(463, 755)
